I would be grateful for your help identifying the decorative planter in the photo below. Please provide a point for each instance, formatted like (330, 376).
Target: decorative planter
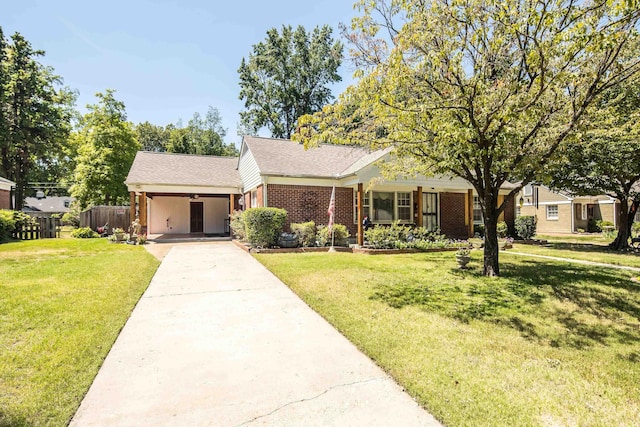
(463, 260)
(119, 237)
(288, 240)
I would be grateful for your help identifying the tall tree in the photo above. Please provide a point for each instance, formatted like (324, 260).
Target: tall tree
(286, 76)
(107, 147)
(152, 137)
(35, 116)
(606, 159)
(486, 90)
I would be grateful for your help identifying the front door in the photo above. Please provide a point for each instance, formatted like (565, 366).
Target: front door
(196, 217)
(430, 211)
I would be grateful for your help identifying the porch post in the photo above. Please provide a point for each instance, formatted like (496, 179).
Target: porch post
(232, 203)
(142, 210)
(470, 211)
(359, 209)
(132, 205)
(420, 207)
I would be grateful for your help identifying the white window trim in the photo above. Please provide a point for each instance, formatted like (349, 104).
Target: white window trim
(527, 190)
(584, 215)
(557, 214)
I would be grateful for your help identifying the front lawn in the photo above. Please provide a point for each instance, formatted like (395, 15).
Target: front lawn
(546, 344)
(581, 251)
(62, 305)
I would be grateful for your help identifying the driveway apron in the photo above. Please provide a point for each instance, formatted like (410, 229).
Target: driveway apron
(218, 340)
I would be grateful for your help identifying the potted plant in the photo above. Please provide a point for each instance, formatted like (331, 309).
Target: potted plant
(119, 233)
(463, 256)
(508, 243)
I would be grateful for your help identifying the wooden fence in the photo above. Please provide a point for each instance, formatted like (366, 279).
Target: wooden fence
(115, 216)
(43, 228)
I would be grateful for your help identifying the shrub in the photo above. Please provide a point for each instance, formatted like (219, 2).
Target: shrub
(72, 217)
(592, 226)
(7, 224)
(525, 227)
(306, 232)
(378, 238)
(237, 225)
(478, 229)
(635, 228)
(264, 225)
(502, 229)
(84, 233)
(340, 235)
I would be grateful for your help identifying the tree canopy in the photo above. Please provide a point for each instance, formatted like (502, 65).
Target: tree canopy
(35, 117)
(106, 148)
(287, 76)
(486, 90)
(202, 135)
(605, 159)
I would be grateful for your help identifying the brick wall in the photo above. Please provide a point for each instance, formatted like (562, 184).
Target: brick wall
(306, 203)
(5, 200)
(452, 222)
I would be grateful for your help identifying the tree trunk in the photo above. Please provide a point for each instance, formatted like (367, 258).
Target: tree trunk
(491, 248)
(627, 214)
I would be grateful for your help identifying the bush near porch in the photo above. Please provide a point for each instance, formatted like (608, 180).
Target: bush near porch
(264, 225)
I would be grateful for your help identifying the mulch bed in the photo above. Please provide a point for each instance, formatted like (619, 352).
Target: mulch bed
(364, 251)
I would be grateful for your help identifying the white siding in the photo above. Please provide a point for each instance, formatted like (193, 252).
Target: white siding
(249, 172)
(216, 210)
(168, 215)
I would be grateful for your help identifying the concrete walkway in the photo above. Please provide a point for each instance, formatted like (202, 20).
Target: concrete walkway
(573, 260)
(217, 340)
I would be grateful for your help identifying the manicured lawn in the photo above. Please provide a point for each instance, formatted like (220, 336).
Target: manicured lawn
(545, 344)
(581, 251)
(62, 305)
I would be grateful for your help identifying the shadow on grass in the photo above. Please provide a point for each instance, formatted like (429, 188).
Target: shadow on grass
(562, 305)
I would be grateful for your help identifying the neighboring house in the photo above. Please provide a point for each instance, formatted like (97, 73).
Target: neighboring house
(193, 194)
(559, 212)
(5, 193)
(47, 206)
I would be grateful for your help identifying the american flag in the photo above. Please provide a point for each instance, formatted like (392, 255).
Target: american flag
(332, 209)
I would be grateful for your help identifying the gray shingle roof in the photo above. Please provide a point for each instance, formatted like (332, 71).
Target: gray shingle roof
(183, 169)
(288, 158)
(48, 204)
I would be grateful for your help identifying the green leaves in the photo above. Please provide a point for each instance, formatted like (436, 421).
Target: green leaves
(35, 116)
(286, 76)
(106, 148)
(485, 90)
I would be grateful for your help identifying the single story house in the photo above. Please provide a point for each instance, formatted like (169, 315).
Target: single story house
(560, 212)
(47, 206)
(5, 193)
(177, 194)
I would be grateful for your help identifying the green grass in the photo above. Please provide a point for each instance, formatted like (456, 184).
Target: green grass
(547, 343)
(582, 251)
(62, 304)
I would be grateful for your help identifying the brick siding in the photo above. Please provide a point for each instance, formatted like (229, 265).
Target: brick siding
(5, 200)
(306, 203)
(452, 222)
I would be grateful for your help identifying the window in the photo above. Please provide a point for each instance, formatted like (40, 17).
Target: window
(584, 212)
(383, 206)
(518, 211)
(528, 190)
(404, 206)
(477, 210)
(552, 211)
(254, 199)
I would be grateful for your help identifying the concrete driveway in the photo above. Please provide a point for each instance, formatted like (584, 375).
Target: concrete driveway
(217, 340)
